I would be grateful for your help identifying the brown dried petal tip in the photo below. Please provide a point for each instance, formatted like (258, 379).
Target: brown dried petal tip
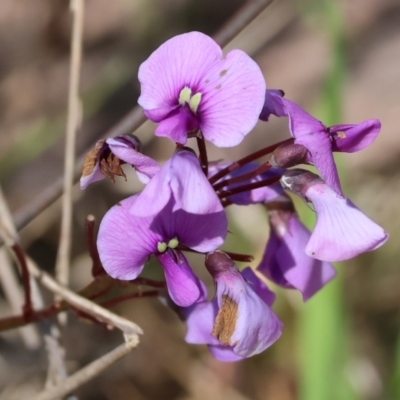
(225, 323)
(91, 159)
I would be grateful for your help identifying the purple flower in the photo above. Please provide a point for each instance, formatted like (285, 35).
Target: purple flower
(106, 158)
(145, 225)
(238, 323)
(188, 85)
(285, 261)
(319, 140)
(341, 231)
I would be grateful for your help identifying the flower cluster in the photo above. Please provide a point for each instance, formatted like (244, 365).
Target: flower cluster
(191, 89)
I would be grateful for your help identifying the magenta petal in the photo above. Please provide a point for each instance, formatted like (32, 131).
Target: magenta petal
(286, 263)
(181, 61)
(95, 176)
(355, 137)
(233, 92)
(124, 241)
(259, 287)
(342, 231)
(257, 327)
(143, 164)
(177, 125)
(202, 233)
(200, 319)
(183, 286)
(182, 178)
(224, 353)
(271, 106)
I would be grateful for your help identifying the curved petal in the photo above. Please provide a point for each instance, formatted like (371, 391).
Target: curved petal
(180, 61)
(94, 176)
(143, 164)
(182, 177)
(342, 231)
(183, 286)
(259, 287)
(355, 137)
(125, 241)
(244, 321)
(224, 353)
(270, 104)
(203, 233)
(177, 125)
(233, 94)
(286, 263)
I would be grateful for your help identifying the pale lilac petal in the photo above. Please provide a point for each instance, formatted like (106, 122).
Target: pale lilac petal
(233, 93)
(258, 286)
(183, 286)
(342, 231)
(192, 191)
(271, 106)
(94, 176)
(286, 263)
(257, 327)
(181, 61)
(177, 125)
(200, 320)
(182, 178)
(355, 137)
(143, 164)
(224, 353)
(203, 233)
(125, 241)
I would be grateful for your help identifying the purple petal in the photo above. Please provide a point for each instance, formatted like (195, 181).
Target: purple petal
(342, 231)
(270, 104)
(355, 137)
(233, 92)
(200, 319)
(256, 326)
(143, 164)
(181, 177)
(258, 286)
(177, 125)
(125, 241)
(203, 233)
(183, 286)
(181, 61)
(94, 176)
(224, 353)
(286, 263)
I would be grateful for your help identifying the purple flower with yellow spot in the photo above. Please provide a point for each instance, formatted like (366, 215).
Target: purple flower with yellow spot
(188, 85)
(184, 213)
(341, 231)
(238, 323)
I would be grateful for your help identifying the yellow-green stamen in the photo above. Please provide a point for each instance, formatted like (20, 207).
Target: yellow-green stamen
(173, 243)
(185, 97)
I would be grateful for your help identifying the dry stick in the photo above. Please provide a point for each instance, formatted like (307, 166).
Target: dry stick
(134, 119)
(73, 121)
(83, 304)
(88, 372)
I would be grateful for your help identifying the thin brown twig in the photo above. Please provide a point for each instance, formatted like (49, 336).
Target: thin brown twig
(73, 121)
(97, 267)
(90, 371)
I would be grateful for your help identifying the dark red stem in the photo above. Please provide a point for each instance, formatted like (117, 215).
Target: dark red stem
(245, 160)
(97, 267)
(149, 282)
(249, 175)
(114, 302)
(240, 257)
(201, 144)
(27, 307)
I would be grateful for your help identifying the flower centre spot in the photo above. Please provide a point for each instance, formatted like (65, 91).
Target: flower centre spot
(185, 97)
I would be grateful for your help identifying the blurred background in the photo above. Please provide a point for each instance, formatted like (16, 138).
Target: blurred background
(340, 59)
